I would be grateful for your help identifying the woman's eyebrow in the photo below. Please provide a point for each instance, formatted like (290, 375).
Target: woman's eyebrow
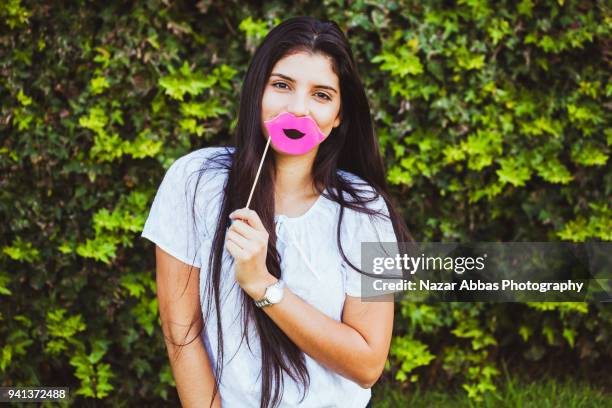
(331, 88)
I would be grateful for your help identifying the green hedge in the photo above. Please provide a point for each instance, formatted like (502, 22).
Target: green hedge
(494, 117)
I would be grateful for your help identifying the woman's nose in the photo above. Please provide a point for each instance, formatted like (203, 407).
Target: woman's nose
(298, 106)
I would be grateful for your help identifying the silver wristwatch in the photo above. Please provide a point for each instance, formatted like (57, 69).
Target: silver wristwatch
(274, 294)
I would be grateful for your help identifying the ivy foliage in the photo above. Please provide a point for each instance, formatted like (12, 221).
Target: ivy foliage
(493, 118)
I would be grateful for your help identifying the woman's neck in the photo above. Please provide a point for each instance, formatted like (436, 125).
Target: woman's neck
(293, 176)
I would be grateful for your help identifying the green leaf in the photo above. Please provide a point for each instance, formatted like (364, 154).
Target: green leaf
(102, 248)
(553, 171)
(4, 281)
(203, 110)
(525, 332)
(570, 335)
(59, 325)
(21, 251)
(96, 120)
(411, 354)
(589, 154)
(403, 62)
(186, 82)
(513, 171)
(23, 99)
(98, 85)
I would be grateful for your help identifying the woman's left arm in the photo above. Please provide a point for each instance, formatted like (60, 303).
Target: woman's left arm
(357, 347)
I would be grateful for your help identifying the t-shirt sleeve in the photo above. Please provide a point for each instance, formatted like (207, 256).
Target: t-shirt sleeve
(173, 224)
(375, 229)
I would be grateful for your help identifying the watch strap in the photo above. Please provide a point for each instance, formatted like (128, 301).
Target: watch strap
(263, 302)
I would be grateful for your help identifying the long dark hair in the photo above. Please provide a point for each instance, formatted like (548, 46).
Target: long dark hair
(360, 156)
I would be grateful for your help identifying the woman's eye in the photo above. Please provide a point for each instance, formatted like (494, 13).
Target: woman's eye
(282, 85)
(323, 95)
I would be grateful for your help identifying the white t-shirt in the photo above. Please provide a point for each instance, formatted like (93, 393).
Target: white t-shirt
(311, 265)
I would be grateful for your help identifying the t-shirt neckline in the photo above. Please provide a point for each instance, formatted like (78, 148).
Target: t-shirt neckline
(308, 212)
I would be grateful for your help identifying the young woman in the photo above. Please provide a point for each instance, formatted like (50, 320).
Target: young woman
(272, 315)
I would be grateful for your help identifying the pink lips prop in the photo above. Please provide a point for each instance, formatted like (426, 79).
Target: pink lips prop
(294, 135)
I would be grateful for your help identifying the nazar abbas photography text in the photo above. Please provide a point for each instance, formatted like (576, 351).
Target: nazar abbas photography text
(458, 265)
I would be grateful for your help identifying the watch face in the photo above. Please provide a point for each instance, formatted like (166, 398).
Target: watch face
(274, 294)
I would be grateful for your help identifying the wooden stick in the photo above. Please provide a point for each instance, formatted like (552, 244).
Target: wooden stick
(257, 175)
